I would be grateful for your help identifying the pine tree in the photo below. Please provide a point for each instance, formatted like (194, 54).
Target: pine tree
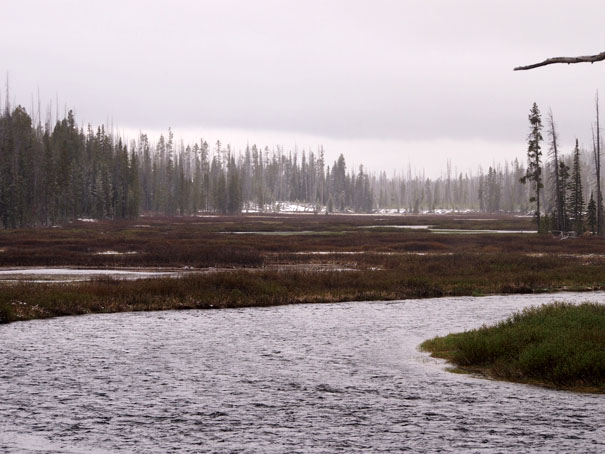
(561, 220)
(576, 199)
(220, 203)
(134, 188)
(534, 155)
(494, 190)
(591, 214)
(234, 189)
(481, 194)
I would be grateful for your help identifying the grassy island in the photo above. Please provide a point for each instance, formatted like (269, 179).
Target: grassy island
(556, 345)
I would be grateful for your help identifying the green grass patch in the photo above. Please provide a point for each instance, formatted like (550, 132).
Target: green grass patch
(557, 345)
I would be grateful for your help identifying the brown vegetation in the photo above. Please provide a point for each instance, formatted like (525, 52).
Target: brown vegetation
(388, 263)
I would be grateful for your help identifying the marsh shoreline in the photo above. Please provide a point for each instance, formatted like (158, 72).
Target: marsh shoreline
(349, 259)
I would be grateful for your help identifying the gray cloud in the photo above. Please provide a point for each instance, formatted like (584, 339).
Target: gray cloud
(343, 70)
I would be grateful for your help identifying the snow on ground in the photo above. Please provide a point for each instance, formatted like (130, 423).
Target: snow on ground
(436, 211)
(391, 211)
(286, 207)
(292, 207)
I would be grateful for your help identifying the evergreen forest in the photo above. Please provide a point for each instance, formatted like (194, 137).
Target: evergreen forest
(59, 171)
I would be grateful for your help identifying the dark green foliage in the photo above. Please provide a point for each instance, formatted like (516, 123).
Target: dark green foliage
(576, 199)
(56, 172)
(534, 159)
(50, 175)
(562, 217)
(234, 189)
(561, 345)
(53, 174)
(591, 214)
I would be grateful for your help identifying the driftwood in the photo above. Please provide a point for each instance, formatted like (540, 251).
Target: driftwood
(568, 60)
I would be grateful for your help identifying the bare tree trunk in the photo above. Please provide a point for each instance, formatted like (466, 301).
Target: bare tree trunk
(596, 150)
(555, 153)
(538, 207)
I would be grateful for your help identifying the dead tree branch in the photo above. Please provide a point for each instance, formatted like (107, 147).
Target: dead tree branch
(568, 60)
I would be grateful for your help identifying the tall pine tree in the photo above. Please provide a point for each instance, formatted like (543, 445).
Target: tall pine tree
(576, 199)
(534, 159)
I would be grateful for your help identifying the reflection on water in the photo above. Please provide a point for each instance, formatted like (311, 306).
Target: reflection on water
(308, 378)
(430, 228)
(60, 275)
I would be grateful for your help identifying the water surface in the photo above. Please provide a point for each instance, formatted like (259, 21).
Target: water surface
(64, 275)
(306, 378)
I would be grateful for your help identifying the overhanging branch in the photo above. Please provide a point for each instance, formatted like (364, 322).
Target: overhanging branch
(568, 60)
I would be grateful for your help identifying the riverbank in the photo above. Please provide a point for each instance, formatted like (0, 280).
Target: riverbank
(559, 345)
(406, 276)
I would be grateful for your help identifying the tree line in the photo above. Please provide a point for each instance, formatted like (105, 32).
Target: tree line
(564, 181)
(51, 174)
(60, 171)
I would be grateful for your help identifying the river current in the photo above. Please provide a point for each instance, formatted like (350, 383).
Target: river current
(304, 378)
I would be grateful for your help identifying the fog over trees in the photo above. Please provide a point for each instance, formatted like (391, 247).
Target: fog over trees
(56, 171)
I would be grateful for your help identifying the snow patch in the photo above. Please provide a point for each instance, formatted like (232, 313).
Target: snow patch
(286, 207)
(116, 253)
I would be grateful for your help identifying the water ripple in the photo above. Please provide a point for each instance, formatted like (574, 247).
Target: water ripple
(309, 379)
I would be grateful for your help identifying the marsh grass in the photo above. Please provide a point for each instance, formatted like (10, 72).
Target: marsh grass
(557, 345)
(201, 242)
(389, 265)
(400, 277)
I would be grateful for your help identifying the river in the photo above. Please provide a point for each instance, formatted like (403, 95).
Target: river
(304, 378)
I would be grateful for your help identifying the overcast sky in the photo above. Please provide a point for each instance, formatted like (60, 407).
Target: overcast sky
(385, 82)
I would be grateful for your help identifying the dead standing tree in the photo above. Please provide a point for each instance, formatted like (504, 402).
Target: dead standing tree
(596, 152)
(559, 190)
